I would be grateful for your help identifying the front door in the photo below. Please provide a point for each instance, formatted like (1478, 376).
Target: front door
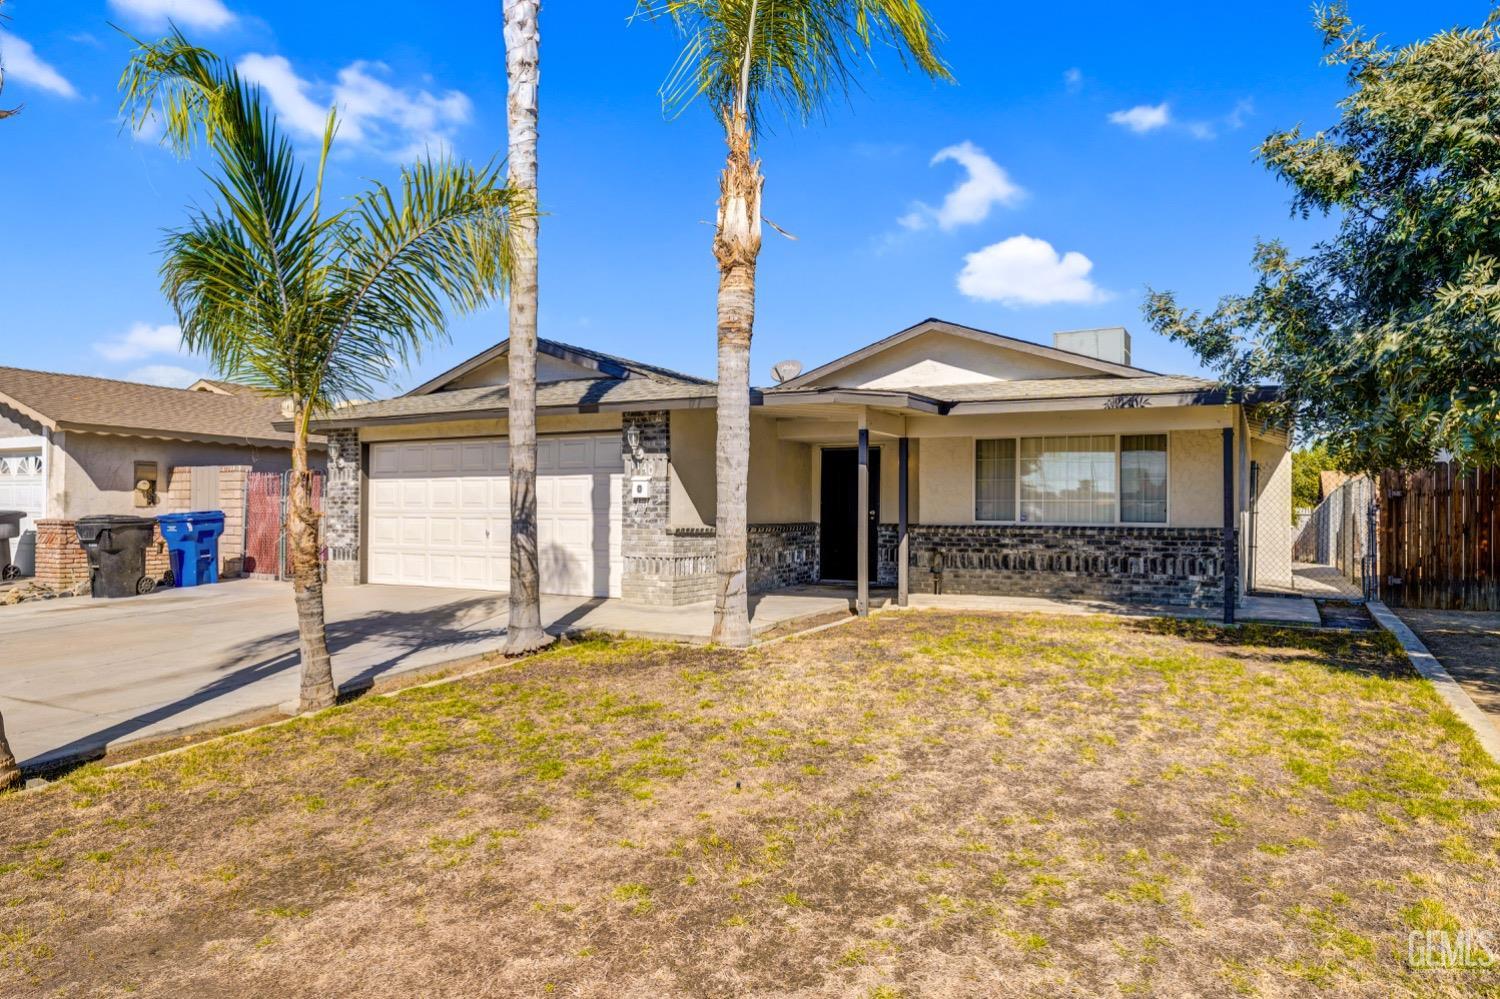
(839, 523)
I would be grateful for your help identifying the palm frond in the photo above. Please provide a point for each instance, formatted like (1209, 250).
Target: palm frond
(801, 53)
(317, 306)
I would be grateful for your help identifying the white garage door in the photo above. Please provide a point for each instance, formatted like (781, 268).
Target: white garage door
(21, 484)
(440, 514)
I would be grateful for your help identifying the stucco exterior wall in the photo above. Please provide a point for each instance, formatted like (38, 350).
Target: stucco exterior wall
(944, 359)
(13, 424)
(98, 475)
(1195, 484)
(779, 490)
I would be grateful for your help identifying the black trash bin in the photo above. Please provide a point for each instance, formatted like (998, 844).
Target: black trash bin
(116, 546)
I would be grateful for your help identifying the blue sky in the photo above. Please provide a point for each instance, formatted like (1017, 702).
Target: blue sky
(1086, 153)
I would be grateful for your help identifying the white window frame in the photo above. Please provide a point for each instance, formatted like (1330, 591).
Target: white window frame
(1119, 478)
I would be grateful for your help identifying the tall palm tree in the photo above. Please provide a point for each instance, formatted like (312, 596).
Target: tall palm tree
(740, 55)
(523, 70)
(10, 772)
(313, 305)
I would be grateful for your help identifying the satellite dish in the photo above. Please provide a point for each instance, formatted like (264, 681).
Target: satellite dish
(786, 370)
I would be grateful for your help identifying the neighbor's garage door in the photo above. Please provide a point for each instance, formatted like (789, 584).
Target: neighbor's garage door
(21, 485)
(439, 514)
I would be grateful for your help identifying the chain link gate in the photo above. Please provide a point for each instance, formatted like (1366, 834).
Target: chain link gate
(265, 522)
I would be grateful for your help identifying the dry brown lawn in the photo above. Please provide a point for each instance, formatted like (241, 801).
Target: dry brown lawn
(917, 805)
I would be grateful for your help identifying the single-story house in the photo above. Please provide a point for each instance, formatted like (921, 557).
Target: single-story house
(997, 464)
(72, 445)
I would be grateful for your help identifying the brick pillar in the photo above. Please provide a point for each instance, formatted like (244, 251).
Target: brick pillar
(158, 557)
(341, 506)
(60, 560)
(648, 547)
(663, 566)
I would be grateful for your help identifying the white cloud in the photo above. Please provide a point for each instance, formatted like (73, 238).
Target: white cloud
(209, 15)
(23, 65)
(398, 123)
(1243, 109)
(1073, 79)
(165, 375)
(1023, 270)
(288, 92)
(986, 185)
(1143, 118)
(141, 340)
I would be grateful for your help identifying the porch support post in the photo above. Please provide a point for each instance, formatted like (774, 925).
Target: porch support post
(1230, 561)
(862, 517)
(902, 556)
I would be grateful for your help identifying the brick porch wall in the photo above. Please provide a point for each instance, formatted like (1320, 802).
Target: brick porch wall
(1148, 565)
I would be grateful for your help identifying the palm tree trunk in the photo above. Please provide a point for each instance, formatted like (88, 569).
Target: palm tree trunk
(522, 71)
(736, 248)
(307, 580)
(10, 773)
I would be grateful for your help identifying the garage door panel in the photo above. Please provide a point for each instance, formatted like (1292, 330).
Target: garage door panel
(440, 514)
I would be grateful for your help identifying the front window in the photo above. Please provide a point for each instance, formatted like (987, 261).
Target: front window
(995, 479)
(1072, 479)
(1143, 479)
(1068, 480)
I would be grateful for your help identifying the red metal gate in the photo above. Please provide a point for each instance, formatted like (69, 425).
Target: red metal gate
(265, 521)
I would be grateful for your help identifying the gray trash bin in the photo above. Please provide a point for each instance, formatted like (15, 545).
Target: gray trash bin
(10, 527)
(26, 554)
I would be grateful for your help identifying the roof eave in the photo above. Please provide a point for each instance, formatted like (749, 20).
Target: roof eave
(182, 435)
(503, 412)
(1217, 396)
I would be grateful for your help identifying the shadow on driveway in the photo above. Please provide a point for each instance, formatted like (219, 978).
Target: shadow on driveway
(393, 638)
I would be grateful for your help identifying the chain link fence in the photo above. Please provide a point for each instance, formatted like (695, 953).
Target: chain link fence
(1328, 552)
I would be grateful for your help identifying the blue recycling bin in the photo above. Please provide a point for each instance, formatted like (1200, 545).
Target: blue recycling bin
(193, 543)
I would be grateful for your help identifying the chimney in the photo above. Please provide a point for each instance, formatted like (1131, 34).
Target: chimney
(1109, 343)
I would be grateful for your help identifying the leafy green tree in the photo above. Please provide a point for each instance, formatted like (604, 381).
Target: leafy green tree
(1385, 337)
(745, 57)
(313, 305)
(1308, 464)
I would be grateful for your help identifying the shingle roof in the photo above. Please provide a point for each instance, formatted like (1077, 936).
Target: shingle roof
(81, 402)
(227, 388)
(627, 362)
(494, 400)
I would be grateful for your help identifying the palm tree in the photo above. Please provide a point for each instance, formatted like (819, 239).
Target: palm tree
(739, 55)
(313, 305)
(10, 773)
(522, 69)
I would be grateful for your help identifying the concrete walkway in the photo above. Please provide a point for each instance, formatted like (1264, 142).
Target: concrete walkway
(78, 676)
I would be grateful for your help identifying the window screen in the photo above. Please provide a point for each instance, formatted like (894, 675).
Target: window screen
(995, 479)
(1143, 479)
(1068, 480)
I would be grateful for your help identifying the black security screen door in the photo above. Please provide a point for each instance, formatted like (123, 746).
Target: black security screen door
(839, 520)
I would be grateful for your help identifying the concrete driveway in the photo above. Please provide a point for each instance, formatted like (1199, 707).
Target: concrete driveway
(77, 675)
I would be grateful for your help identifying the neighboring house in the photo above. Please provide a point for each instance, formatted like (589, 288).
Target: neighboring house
(1027, 469)
(71, 445)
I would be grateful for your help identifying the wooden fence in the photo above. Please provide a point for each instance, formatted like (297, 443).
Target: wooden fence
(1439, 529)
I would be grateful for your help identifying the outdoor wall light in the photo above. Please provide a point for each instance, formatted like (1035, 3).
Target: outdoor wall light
(633, 441)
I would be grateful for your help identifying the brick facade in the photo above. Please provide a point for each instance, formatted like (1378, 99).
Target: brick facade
(61, 562)
(1149, 565)
(782, 555)
(341, 506)
(663, 566)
